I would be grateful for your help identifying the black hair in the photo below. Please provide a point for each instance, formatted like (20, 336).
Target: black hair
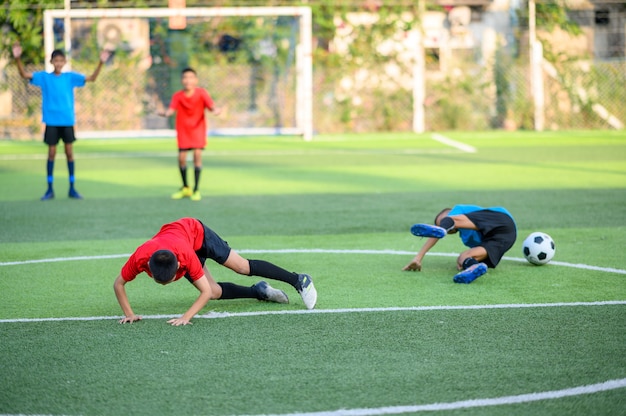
(57, 52)
(441, 212)
(188, 69)
(163, 265)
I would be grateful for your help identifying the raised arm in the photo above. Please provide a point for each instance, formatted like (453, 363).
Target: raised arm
(416, 263)
(122, 298)
(104, 55)
(17, 54)
(204, 287)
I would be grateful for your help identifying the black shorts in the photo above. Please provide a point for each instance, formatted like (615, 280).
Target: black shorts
(186, 149)
(498, 231)
(213, 247)
(53, 134)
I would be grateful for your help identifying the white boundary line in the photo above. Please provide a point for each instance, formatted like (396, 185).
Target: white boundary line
(219, 315)
(453, 143)
(313, 250)
(466, 404)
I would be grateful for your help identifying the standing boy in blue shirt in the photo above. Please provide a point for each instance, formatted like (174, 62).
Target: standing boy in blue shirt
(57, 90)
(488, 232)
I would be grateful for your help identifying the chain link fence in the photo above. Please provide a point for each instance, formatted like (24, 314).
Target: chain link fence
(476, 74)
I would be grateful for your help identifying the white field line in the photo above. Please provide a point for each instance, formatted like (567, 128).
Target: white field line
(220, 315)
(314, 251)
(209, 153)
(453, 143)
(467, 404)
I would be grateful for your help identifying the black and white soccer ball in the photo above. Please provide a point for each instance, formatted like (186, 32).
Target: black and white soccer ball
(538, 248)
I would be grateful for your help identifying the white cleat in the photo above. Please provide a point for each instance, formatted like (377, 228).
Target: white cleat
(269, 294)
(307, 290)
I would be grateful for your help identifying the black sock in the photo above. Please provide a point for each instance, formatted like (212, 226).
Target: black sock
(447, 223)
(266, 269)
(196, 174)
(233, 291)
(468, 262)
(183, 174)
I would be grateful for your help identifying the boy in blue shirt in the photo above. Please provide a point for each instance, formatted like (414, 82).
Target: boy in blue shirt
(57, 90)
(488, 232)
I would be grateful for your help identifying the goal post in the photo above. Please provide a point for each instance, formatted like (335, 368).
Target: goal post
(303, 71)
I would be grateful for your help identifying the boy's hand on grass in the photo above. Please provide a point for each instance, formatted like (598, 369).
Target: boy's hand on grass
(130, 319)
(179, 322)
(414, 265)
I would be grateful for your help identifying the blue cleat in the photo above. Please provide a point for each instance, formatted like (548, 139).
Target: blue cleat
(48, 195)
(426, 230)
(74, 195)
(471, 273)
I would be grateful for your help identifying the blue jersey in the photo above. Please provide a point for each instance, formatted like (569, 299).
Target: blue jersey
(58, 96)
(473, 238)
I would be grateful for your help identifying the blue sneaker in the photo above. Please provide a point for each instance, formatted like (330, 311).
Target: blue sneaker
(48, 195)
(74, 195)
(426, 230)
(471, 273)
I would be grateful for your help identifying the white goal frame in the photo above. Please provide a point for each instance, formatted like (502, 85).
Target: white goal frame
(303, 56)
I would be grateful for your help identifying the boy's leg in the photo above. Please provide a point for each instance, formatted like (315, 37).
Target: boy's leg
(69, 154)
(471, 262)
(184, 192)
(301, 282)
(52, 151)
(197, 169)
(260, 290)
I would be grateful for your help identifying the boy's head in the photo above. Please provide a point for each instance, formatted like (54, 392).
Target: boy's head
(444, 213)
(189, 79)
(163, 265)
(58, 60)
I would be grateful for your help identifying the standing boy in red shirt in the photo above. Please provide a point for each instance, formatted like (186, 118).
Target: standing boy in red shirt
(191, 129)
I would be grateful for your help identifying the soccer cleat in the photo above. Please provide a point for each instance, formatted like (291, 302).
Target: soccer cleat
(471, 273)
(74, 195)
(307, 290)
(184, 192)
(269, 294)
(48, 195)
(196, 196)
(426, 230)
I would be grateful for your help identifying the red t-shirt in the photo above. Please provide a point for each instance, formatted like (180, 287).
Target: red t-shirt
(190, 121)
(182, 237)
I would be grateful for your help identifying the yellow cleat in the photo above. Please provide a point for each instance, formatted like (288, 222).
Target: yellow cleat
(196, 196)
(184, 192)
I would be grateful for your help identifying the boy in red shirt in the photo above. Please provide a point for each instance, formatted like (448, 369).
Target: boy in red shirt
(191, 129)
(181, 248)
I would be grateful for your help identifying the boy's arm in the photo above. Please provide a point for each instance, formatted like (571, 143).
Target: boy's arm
(104, 55)
(120, 293)
(416, 263)
(17, 54)
(167, 112)
(204, 287)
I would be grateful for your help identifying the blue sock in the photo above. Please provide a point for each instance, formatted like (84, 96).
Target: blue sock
(50, 170)
(70, 170)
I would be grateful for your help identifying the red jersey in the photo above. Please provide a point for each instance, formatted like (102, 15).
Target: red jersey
(182, 237)
(191, 128)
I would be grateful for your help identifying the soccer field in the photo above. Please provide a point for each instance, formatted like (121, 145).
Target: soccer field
(521, 340)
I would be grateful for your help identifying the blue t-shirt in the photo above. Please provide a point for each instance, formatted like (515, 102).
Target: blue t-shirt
(58, 96)
(473, 238)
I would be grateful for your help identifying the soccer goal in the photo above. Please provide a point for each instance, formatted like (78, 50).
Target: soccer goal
(255, 62)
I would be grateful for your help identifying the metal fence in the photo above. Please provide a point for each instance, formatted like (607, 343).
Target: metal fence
(477, 75)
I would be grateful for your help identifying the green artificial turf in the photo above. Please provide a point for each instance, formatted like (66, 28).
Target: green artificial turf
(315, 207)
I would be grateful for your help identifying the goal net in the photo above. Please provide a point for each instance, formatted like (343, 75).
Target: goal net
(255, 62)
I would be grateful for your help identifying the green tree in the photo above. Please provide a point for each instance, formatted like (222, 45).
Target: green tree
(23, 21)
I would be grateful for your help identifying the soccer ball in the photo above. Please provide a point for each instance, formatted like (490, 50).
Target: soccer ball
(538, 248)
